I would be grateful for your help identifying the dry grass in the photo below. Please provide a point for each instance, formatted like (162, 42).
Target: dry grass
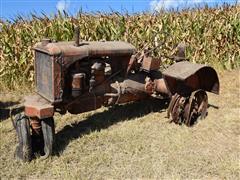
(136, 141)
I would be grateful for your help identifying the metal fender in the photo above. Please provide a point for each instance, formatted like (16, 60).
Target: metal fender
(185, 77)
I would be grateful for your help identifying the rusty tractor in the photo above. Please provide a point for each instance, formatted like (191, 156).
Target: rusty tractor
(80, 76)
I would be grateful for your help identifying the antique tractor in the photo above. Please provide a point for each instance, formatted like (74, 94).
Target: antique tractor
(81, 76)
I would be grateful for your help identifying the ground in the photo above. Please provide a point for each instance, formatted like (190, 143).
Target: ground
(134, 141)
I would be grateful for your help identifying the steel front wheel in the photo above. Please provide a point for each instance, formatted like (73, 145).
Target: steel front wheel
(35, 136)
(24, 148)
(48, 136)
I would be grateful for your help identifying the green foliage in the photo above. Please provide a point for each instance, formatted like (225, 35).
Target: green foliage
(212, 35)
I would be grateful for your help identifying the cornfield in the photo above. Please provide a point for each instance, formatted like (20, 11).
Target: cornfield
(212, 36)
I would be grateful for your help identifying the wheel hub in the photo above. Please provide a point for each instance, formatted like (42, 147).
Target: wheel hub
(187, 109)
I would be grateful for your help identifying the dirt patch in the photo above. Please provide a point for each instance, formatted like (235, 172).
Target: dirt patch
(136, 141)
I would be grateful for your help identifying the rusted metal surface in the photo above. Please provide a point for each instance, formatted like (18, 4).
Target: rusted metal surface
(80, 76)
(150, 63)
(160, 86)
(197, 108)
(51, 73)
(36, 106)
(187, 110)
(132, 63)
(35, 124)
(72, 77)
(87, 49)
(76, 36)
(44, 66)
(88, 102)
(78, 83)
(185, 77)
(176, 111)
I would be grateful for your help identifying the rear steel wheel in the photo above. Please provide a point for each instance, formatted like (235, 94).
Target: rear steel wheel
(176, 108)
(24, 148)
(197, 107)
(188, 109)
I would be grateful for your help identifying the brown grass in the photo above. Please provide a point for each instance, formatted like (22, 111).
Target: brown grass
(136, 141)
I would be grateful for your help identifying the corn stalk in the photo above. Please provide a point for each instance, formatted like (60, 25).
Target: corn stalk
(212, 36)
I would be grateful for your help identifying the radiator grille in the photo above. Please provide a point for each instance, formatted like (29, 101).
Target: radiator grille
(44, 76)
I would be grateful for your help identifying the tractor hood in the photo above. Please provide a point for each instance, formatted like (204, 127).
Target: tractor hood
(86, 49)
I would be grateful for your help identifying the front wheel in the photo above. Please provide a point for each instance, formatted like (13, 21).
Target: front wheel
(48, 136)
(24, 148)
(36, 136)
(42, 136)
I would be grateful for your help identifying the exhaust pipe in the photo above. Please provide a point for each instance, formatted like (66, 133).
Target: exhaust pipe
(76, 36)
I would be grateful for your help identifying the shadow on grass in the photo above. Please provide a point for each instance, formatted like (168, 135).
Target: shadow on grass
(7, 109)
(105, 119)
(213, 106)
